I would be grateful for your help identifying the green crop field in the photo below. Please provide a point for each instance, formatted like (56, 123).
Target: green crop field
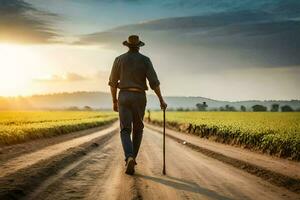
(16, 127)
(273, 133)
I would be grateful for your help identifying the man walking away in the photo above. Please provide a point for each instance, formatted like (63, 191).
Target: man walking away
(129, 73)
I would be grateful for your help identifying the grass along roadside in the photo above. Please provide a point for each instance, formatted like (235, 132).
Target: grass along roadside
(273, 133)
(17, 127)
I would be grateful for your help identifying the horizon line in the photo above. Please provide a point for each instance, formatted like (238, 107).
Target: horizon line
(169, 96)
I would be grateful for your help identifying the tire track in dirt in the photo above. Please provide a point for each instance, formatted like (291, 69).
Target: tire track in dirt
(12, 151)
(98, 175)
(20, 183)
(26, 160)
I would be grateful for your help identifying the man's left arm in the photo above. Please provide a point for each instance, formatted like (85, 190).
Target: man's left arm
(154, 84)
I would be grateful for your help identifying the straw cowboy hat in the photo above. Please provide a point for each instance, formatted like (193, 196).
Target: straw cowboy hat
(133, 41)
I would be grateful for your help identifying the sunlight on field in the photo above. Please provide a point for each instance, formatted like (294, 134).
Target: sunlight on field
(16, 127)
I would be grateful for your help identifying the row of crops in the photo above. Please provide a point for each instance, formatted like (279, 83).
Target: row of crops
(273, 133)
(17, 127)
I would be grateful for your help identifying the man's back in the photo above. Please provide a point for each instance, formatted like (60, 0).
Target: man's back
(131, 69)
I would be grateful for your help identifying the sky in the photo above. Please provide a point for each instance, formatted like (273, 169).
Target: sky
(221, 49)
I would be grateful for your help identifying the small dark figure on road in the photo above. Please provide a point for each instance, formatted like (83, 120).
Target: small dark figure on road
(129, 73)
(149, 115)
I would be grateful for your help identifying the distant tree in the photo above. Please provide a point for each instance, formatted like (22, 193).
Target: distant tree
(286, 108)
(73, 108)
(180, 109)
(275, 107)
(87, 108)
(232, 108)
(201, 106)
(222, 109)
(259, 108)
(229, 108)
(297, 110)
(243, 108)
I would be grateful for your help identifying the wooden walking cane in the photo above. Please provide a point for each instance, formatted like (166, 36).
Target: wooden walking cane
(164, 143)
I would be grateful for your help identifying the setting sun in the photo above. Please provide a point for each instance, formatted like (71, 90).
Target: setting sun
(16, 69)
(31, 69)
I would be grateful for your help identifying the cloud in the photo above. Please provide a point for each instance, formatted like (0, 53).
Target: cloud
(279, 7)
(69, 77)
(75, 77)
(21, 22)
(237, 38)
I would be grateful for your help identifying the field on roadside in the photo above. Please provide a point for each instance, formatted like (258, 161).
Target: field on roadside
(274, 133)
(17, 127)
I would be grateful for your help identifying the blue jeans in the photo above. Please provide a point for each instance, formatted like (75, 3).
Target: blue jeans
(131, 114)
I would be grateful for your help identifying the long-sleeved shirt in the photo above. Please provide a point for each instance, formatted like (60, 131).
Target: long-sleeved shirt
(130, 70)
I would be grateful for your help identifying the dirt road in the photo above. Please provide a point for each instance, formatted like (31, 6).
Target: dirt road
(190, 175)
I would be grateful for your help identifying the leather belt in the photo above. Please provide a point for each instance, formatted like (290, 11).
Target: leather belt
(133, 90)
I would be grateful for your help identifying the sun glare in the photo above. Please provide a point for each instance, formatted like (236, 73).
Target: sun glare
(14, 69)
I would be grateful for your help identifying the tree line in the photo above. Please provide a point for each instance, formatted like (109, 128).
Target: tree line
(255, 108)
